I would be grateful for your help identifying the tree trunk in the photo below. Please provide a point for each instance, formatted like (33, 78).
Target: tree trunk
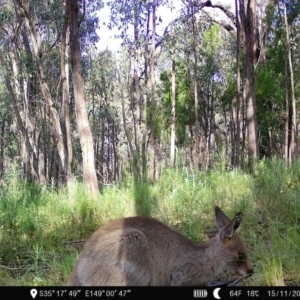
(173, 98)
(2, 146)
(31, 110)
(14, 102)
(248, 22)
(287, 132)
(85, 135)
(136, 97)
(145, 129)
(153, 104)
(27, 158)
(64, 66)
(197, 123)
(131, 152)
(115, 152)
(294, 113)
(238, 94)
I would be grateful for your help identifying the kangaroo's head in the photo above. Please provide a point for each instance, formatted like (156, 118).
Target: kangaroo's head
(235, 251)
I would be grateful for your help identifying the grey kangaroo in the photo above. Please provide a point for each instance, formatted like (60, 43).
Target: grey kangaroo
(141, 251)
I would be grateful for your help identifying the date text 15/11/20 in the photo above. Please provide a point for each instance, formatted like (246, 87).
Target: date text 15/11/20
(272, 293)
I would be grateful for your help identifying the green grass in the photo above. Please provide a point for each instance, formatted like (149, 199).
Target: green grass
(42, 229)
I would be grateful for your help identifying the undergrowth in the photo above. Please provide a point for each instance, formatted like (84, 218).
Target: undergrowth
(42, 230)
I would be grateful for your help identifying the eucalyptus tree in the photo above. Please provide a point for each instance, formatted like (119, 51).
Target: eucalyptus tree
(34, 55)
(137, 21)
(153, 87)
(282, 41)
(236, 146)
(173, 90)
(127, 16)
(248, 24)
(100, 86)
(8, 144)
(22, 86)
(209, 81)
(291, 73)
(250, 35)
(24, 11)
(196, 156)
(245, 21)
(65, 83)
(85, 135)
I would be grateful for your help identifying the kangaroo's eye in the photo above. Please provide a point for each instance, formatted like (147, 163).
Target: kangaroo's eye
(242, 256)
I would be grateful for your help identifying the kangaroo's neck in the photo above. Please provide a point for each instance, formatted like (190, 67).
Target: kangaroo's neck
(213, 251)
(200, 263)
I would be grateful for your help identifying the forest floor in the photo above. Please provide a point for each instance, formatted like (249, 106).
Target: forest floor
(42, 230)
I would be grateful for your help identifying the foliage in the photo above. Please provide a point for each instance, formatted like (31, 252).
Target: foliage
(271, 100)
(184, 101)
(209, 78)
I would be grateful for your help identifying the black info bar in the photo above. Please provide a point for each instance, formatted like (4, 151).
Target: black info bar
(150, 292)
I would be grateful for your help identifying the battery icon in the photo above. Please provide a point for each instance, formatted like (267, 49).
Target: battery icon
(200, 293)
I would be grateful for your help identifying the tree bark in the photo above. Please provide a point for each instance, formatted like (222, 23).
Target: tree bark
(173, 98)
(64, 66)
(294, 113)
(2, 146)
(85, 135)
(197, 123)
(144, 113)
(27, 158)
(14, 102)
(287, 132)
(238, 88)
(248, 22)
(153, 104)
(136, 107)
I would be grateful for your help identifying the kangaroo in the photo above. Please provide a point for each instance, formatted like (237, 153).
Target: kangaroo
(141, 251)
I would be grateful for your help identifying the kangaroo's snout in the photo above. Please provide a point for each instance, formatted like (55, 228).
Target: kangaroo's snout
(246, 271)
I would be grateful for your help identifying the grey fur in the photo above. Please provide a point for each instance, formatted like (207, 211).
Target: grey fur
(141, 251)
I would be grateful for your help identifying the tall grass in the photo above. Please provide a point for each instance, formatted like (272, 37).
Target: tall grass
(42, 230)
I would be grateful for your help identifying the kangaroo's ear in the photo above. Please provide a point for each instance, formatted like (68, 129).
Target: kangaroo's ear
(232, 227)
(221, 219)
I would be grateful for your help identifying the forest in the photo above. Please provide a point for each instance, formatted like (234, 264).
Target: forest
(198, 106)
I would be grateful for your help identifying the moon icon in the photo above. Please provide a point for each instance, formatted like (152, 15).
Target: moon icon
(216, 293)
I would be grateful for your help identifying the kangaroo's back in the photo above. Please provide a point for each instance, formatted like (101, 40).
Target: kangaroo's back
(143, 251)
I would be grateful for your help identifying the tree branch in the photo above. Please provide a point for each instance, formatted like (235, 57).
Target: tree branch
(228, 13)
